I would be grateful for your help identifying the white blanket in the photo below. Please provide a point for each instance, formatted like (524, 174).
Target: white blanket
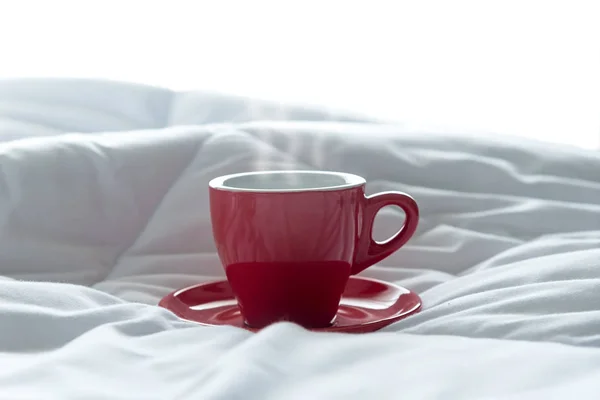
(96, 226)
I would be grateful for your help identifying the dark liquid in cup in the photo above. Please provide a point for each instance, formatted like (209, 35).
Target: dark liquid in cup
(306, 293)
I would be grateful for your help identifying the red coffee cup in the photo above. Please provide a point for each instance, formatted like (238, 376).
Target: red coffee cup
(289, 240)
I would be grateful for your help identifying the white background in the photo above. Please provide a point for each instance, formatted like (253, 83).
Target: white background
(528, 68)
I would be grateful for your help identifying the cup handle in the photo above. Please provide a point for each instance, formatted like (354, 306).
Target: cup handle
(369, 251)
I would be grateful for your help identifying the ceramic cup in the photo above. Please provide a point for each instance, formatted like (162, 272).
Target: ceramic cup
(289, 240)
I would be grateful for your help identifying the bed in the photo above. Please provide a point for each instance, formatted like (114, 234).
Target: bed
(104, 210)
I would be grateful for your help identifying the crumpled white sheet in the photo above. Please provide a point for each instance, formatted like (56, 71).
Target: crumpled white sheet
(96, 227)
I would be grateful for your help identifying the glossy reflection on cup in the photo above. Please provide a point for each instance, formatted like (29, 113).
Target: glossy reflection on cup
(289, 240)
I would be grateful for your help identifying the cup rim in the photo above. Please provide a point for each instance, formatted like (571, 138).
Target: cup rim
(351, 181)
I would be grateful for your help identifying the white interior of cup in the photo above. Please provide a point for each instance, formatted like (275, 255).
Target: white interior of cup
(286, 181)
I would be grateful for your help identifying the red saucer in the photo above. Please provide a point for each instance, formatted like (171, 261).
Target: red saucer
(367, 305)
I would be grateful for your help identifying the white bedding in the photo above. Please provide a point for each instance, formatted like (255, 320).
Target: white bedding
(98, 224)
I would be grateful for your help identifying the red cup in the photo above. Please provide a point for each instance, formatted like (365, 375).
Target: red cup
(289, 240)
